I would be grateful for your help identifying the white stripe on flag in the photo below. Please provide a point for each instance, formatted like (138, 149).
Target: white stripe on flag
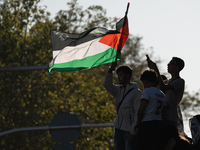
(81, 51)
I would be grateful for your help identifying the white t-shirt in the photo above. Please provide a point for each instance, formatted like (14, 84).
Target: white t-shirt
(156, 102)
(174, 97)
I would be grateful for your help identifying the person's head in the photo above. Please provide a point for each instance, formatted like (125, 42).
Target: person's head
(176, 64)
(149, 78)
(124, 74)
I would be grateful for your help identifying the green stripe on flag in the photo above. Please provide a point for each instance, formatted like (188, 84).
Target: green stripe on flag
(105, 57)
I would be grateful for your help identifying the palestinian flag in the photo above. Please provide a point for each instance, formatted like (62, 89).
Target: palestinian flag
(89, 49)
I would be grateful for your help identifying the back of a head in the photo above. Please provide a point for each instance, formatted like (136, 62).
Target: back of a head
(149, 75)
(125, 70)
(179, 62)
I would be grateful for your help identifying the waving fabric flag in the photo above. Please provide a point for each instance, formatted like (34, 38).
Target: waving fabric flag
(89, 49)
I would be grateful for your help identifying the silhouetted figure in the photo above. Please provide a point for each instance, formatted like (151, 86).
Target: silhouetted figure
(127, 98)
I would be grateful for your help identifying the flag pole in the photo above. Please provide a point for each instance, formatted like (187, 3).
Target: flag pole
(120, 40)
(127, 9)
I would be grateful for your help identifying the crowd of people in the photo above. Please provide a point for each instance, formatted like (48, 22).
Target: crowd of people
(151, 119)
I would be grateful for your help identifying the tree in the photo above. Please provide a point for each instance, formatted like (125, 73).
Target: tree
(190, 106)
(76, 20)
(21, 99)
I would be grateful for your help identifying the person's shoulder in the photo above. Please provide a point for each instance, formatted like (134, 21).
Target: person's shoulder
(182, 79)
(148, 91)
(134, 87)
(179, 78)
(151, 89)
(158, 93)
(177, 81)
(161, 92)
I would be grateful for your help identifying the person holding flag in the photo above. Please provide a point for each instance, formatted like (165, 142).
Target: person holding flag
(127, 100)
(94, 47)
(127, 96)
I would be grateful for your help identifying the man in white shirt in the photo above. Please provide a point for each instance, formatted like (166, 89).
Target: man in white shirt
(174, 90)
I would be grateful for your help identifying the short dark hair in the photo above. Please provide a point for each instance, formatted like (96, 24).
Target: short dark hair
(179, 62)
(149, 75)
(124, 69)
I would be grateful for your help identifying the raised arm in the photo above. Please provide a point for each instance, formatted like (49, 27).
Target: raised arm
(152, 65)
(108, 81)
(112, 67)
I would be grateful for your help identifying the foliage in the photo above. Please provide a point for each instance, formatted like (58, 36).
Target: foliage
(22, 98)
(190, 104)
(76, 20)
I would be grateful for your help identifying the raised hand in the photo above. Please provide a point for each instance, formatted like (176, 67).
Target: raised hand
(151, 64)
(113, 66)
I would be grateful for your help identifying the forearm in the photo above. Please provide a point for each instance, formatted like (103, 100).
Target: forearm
(161, 82)
(108, 84)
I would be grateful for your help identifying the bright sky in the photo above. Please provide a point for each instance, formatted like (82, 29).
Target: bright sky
(171, 27)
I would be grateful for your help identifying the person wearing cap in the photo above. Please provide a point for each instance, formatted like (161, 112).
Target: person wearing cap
(127, 100)
(174, 90)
